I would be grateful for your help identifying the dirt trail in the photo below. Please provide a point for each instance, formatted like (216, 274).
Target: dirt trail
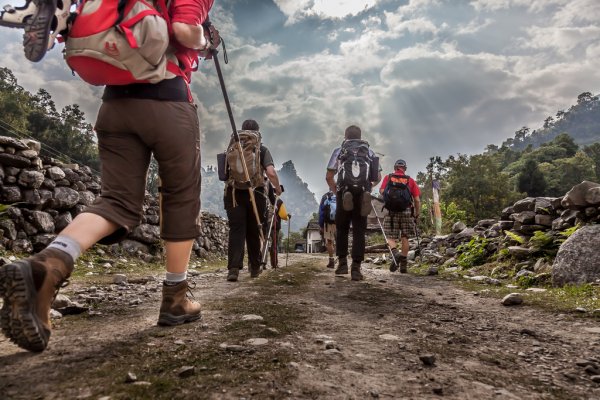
(326, 338)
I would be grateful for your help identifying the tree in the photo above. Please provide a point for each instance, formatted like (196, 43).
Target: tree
(478, 187)
(531, 180)
(593, 152)
(566, 142)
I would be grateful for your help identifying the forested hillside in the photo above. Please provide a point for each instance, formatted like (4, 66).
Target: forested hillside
(65, 134)
(543, 162)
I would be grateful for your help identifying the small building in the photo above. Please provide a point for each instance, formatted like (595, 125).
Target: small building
(313, 237)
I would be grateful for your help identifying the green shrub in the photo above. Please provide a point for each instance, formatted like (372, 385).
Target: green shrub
(473, 253)
(515, 237)
(543, 242)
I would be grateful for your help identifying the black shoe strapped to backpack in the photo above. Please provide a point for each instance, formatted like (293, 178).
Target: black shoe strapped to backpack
(347, 201)
(365, 204)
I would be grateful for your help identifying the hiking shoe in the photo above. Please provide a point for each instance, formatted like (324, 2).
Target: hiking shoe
(176, 308)
(38, 28)
(403, 265)
(347, 201)
(395, 263)
(28, 288)
(342, 268)
(355, 273)
(331, 263)
(365, 204)
(255, 272)
(232, 275)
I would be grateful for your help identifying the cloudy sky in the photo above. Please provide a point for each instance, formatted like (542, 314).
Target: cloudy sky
(420, 77)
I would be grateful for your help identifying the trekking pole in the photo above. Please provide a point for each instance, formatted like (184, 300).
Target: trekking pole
(418, 240)
(206, 25)
(383, 230)
(263, 262)
(287, 245)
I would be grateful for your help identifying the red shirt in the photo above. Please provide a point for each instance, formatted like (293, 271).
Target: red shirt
(412, 185)
(191, 12)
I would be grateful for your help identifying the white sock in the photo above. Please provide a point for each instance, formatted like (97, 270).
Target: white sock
(67, 245)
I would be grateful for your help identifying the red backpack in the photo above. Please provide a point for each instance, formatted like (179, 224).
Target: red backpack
(119, 42)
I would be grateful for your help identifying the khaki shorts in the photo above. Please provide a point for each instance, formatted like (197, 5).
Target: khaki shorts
(399, 224)
(329, 232)
(129, 132)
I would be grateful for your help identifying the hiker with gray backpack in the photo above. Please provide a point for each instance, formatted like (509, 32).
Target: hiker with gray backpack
(357, 170)
(401, 199)
(245, 197)
(147, 110)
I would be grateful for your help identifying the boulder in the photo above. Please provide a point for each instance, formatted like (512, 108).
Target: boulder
(7, 141)
(519, 252)
(576, 197)
(527, 204)
(149, 234)
(458, 227)
(543, 219)
(524, 217)
(465, 234)
(65, 198)
(13, 160)
(42, 221)
(543, 205)
(55, 173)
(11, 194)
(578, 258)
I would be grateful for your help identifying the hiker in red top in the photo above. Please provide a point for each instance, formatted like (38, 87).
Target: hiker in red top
(135, 122)
(401, 199)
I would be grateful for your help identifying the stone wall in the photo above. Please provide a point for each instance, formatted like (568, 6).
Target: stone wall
(43, 196)
(510, 237)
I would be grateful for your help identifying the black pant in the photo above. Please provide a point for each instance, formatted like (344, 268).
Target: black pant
(359, 226)
(243, 227)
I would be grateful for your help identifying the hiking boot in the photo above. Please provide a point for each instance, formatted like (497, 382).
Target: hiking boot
(255, 272)
(176, 308)
(28, 288)
(403, 265)
(395, 263)
(347, 201)
(342, 268)
(232, 275)
(331, 263)
(365, 204)
(37, 30)
(355, 273)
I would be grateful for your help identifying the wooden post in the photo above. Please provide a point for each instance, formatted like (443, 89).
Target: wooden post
(437, 212)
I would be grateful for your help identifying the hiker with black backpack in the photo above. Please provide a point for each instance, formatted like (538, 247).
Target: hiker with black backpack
(146, 110)
(327, 210)
(401, 199)
(357, 170)
(246, 201)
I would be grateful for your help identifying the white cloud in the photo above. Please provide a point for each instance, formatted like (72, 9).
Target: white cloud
(296, 10)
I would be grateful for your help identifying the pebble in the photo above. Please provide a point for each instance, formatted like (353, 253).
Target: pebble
(186, 371)
(427, 359)
(119, 279)
(142, 383)
(294, 364)
(388, 336)
(55, 314)
(252, 317)
(61, 301)
(581, 310)
(130, 378)
(332, 352)
(595, 378)
(236, 348)
(512, 299)
(257, 341)
(536, 290)
(438, 390)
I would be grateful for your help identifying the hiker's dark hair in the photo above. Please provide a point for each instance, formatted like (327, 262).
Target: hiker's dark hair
(250, 125)
(352, 132)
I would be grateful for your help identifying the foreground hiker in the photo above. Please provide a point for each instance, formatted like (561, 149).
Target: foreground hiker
(136, 120)
(327, 210)
(401, 199)
(357, 170)
(243, 215)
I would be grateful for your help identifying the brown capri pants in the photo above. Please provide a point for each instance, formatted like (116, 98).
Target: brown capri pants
(129, 132)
